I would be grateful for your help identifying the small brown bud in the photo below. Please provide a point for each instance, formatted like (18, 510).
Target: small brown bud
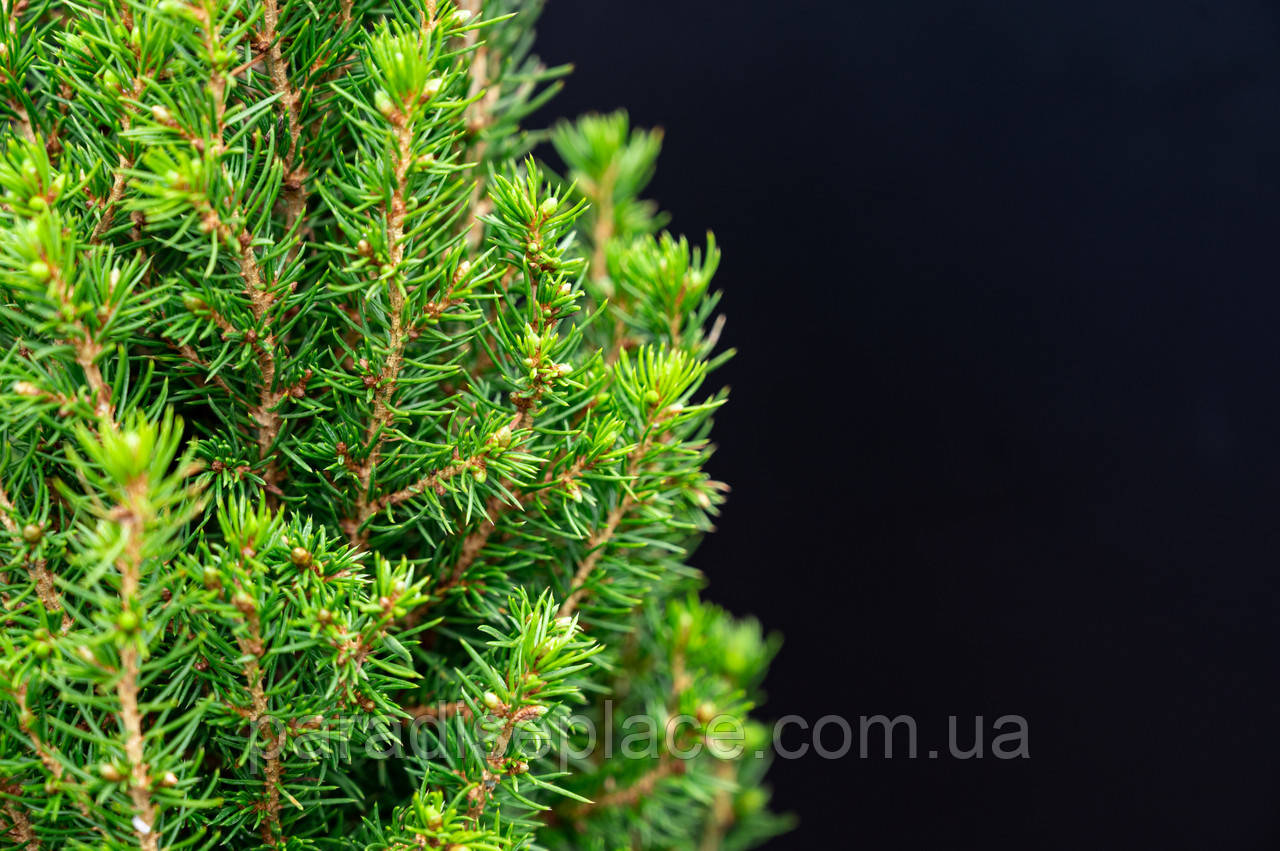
(32, 533)
(300, 556)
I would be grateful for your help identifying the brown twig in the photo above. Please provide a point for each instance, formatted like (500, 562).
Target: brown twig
(479, 116)
(130, 516)
(382, 414)
(596, 543)
(295, 198)
(668, 766)
(84, 346)
(439, 711)
(721, 815)
(191, 356)
(261, 302)
(15, 8)
(37, 568)
(20, 830)
(252, 647)
(124, 162)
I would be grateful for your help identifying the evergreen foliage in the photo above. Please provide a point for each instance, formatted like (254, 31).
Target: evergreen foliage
(351, 459)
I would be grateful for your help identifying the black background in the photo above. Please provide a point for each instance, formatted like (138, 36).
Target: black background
(1004, 434)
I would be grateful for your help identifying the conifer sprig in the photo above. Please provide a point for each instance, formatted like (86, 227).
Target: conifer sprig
(350, 459)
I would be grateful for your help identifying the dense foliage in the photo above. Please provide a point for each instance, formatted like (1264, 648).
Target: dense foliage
(350, 459)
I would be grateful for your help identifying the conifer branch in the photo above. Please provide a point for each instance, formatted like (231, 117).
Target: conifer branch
(602, 230)
(261, 302)
(721, 815)
(37, 568)
(47, 759)
(438, 710)
(252, 647)
(123, 164)
(380, 419)
(86, 348)
(479, 117)
(295, 198)
(414, 149)
(14, 8)
(598, 541)
(191, 356)
(130, 515)
(668, 766)
(431, 482)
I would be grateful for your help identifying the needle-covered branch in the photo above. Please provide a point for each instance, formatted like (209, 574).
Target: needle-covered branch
(351, 460)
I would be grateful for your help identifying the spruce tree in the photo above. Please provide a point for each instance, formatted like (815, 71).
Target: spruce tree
(350, 458)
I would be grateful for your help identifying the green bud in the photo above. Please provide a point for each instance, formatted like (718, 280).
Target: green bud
(39, 270)
(751, 800)
(383, 102)
(432, 817)
(755, 737)
(651, 397)
(128, 621)
(549, 206)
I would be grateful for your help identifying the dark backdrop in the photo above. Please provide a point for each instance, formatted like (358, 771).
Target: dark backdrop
(1004, 433)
